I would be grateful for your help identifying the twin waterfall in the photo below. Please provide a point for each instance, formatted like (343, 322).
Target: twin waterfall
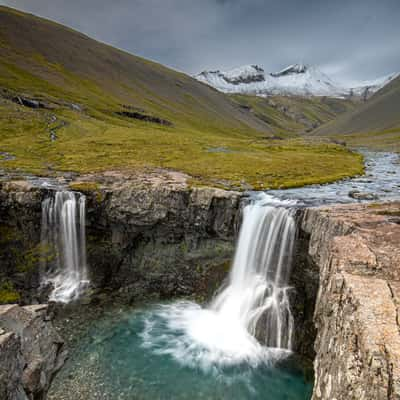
(253, 304)
(63, 234)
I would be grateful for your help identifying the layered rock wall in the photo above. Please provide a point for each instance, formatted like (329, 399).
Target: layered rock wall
(357, 251)
(148, 235)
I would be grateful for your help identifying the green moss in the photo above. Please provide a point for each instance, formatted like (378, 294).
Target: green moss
(7, 234)
(390, 213)
(8, 295)
(34, 257)
(84, 187)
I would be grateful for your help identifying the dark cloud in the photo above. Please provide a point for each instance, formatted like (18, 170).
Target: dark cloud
(352, 39)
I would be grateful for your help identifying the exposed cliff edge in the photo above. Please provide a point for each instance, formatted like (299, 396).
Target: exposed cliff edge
(152, 235)
(31, 352)
(148, 235)
(356, 248)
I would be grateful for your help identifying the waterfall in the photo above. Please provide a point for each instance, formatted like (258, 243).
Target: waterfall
(249, 320)
(256, 295)
(63, 235)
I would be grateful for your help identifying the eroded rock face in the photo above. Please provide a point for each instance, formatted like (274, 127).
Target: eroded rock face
(31, 352)
(356, 248)
(154, 235)
(20, 218)
(148, 234)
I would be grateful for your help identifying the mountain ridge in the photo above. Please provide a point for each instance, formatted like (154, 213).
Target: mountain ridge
(295, 79)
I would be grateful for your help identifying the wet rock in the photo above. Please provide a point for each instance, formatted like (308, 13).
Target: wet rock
(355, 194)
(31, 352)
(149, 232)
(76, 107)
(144, 117)
(4, 156)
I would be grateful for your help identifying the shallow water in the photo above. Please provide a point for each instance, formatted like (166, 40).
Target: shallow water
(382, 178)
(142, 354)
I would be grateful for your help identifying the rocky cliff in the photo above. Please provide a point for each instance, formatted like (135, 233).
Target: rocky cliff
(152, 235)
(31, 352)
(148, 235)
(356, 249)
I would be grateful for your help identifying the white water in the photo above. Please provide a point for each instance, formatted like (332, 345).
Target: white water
(255, 298)
(63, 234)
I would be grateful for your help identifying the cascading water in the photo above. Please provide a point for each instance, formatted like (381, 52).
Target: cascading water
(63, 233)
(249, 319)
(258, 282)
(181, 350)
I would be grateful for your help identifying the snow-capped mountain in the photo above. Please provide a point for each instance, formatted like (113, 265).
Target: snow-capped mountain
(368, 88)
(297, 79)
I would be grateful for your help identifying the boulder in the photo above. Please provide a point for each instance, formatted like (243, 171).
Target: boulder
(355, 194)
(32, 352)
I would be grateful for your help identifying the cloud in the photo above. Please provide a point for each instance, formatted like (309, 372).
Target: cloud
(352, 39)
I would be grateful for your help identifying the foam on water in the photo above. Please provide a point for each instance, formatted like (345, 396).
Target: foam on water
(255, 296)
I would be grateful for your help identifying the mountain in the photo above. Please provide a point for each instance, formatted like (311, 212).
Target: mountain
(376, 123)
(366, 89)
(69, 103)
(297, 79)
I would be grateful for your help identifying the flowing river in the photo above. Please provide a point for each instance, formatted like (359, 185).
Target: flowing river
(183, 350)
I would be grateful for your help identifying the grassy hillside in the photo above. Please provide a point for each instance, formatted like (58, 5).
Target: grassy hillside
(70, 103)
(289, 115)
(375, 124)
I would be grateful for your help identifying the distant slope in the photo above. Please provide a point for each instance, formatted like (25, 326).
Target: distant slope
(73, 65)
(290, 115)
(70, 103)
(376, 123)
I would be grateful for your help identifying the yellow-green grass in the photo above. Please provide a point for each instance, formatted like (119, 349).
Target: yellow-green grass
(213, 157)
(211, 137)
(388, 140)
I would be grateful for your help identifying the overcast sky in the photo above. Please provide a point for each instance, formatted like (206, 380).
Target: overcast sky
(349, 39)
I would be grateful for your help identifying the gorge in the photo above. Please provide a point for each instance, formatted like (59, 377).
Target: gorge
(152, 238)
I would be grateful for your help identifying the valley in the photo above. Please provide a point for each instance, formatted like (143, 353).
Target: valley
(167, 235)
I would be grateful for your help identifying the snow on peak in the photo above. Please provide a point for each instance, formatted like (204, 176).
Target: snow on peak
(367, 88)
(296, 79)
(245, 74)
(291, 69)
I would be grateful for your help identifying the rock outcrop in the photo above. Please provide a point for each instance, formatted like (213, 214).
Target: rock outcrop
(356, 248)
(148, 234)
(31, 352)
(153, 234)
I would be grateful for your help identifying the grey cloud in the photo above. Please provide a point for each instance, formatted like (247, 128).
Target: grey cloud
(352, 39)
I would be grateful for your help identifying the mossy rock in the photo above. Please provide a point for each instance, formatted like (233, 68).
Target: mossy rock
(8, 294)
